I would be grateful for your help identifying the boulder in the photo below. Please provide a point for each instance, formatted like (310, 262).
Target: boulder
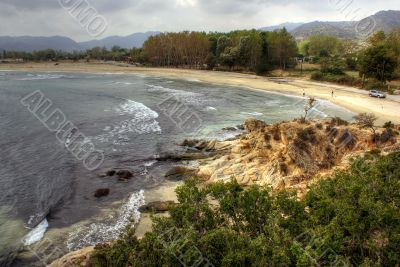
(124, 174)
(179, 173)
(229, 129)
(157, 206)
(111, 173)
(102, 192)
(253, 125)
(240, 127)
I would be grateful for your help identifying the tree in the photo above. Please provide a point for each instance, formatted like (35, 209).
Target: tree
(378, 62)
(230, 57)
(304, 48)
(283, 47)
(366, 120)
(310, 105)
(250, 50)
(377, 38)
(323, 45)
(223, 43)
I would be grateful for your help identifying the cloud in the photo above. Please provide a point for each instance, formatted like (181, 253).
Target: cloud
(47, 17)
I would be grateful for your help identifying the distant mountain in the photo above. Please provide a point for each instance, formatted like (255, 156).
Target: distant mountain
(288, 25)
(338, 29)
(29, 43)
(130, 41)
(385, 20)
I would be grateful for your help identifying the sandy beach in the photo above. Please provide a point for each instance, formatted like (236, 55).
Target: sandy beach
(353, 99)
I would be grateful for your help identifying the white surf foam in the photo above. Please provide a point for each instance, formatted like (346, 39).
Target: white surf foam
(103, 232)
(48, 76)
(142, 120)
(252, 113)
(36, 234)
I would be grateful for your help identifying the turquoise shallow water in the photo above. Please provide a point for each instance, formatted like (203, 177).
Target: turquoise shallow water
(131, 118)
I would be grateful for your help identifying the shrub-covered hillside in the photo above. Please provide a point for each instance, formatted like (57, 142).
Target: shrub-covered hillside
(351, 219)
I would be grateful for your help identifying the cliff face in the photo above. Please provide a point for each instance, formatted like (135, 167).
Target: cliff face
(289, 154)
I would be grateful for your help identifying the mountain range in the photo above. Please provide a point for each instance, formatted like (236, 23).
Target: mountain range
(383, 20)
(30, 43)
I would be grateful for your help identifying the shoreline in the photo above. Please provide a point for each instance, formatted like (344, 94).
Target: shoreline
(353, 99)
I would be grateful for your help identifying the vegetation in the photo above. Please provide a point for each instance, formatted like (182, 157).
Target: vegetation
(241, 50)
(351, 219)
(247, 50)
(311, 102)
(342, 61)
(366, 120)
(376, 63)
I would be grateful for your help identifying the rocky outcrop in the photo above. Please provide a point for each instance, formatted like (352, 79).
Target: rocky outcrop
(288, 154)
(157, 207)
(178, 173)
(76, 258)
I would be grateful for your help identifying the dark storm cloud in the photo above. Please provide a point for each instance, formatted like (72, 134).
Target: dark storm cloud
(47, 17)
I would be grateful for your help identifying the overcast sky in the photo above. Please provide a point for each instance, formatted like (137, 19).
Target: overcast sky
(47, 17)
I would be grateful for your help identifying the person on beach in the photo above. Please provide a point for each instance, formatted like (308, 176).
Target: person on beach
(304, 93)
(332, 92)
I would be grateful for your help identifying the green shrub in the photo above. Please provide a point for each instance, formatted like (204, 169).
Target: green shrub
(318, 76)
(351, 219)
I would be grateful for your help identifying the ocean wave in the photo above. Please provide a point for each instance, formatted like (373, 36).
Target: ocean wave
(187, 97)
(36, 234)
(210, 109)
(33, 77)
(193, 80)
(103, 232)
(252, 113)
(158, 88)
(123, 83)
(142, 120)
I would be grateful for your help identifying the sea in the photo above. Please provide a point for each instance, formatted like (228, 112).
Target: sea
(47, 203)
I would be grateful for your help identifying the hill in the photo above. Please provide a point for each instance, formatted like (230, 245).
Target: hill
(134, 40)
(290, 26)
(383, 20)
(338, 29)
(30, 43)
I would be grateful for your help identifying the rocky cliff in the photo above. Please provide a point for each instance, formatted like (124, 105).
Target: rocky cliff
(290, 154)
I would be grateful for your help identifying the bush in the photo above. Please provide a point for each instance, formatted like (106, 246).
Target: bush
(317, 76)
(375, 85)
(342, 79)
(339, 122)
(351, 219)
(388, 125)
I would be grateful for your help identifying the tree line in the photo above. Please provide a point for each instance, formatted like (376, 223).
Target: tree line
(377, 59)
(237, 50)
(116, 53)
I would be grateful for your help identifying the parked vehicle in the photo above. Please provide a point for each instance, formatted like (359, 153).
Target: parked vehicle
(376, 93)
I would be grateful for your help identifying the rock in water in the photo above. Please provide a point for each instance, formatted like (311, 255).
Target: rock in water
(111, 173)
(102, 192)
(124, 174)
(179, 173)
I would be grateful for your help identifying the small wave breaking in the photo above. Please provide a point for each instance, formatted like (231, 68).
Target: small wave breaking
(103, 232)
(36, 234)
(141, 120)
